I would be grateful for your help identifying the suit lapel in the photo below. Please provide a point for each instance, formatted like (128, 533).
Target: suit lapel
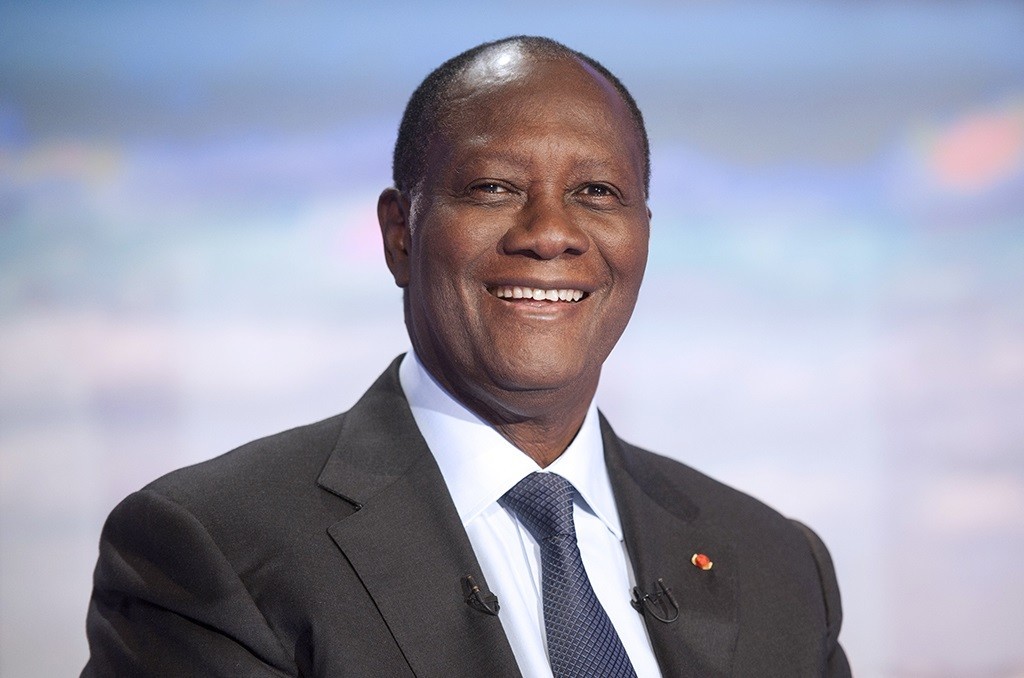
(663, 530)
(406, 542)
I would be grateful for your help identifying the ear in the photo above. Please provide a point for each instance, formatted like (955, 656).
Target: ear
(393, 215)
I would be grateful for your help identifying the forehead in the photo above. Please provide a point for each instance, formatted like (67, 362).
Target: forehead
(507, 94)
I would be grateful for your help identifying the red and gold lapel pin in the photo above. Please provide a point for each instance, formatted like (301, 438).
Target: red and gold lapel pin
(701, 561)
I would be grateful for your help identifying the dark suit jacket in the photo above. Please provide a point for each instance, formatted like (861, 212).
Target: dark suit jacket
(334, 549)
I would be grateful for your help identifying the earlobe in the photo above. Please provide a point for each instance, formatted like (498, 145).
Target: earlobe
(393, 215)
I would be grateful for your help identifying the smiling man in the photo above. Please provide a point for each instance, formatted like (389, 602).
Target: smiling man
(473, 514)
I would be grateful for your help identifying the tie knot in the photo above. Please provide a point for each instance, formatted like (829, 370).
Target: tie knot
(543, 504)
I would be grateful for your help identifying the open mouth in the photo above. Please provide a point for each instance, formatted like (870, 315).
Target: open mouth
(536, 293)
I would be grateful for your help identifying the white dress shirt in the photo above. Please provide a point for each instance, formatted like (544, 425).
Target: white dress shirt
(479, 466)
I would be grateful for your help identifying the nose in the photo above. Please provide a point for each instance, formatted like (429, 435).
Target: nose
(545, 229)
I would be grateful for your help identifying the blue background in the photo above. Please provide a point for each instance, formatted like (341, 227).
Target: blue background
(833, 316)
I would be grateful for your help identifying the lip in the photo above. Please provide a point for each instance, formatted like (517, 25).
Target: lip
(536, 283)
(536, 310)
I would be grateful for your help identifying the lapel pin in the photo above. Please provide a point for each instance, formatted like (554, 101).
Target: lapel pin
(701, 561)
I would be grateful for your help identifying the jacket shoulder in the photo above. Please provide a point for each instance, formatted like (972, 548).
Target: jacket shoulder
(282, 467)
(691, 492)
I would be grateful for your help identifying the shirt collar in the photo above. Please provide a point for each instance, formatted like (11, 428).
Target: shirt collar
(479, 465)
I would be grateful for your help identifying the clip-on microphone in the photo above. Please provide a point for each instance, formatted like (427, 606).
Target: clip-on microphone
(656, 605)
(478, 598)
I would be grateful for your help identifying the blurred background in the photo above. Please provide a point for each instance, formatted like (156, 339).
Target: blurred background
(833, 316)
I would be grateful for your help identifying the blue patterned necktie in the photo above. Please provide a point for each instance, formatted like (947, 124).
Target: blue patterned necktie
(582, 643)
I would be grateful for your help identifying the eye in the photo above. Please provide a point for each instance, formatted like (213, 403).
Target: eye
(490, 192)
(488, 187)
(598, 191)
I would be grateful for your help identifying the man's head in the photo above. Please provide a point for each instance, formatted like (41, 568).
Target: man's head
(432, 99)
(518, 226)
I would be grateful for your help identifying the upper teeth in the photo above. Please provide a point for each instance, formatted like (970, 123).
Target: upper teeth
(515, 292)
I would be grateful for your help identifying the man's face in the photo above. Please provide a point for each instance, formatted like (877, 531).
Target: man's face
(526, 242)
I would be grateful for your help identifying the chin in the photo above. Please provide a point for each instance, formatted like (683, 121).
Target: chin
(539, 375)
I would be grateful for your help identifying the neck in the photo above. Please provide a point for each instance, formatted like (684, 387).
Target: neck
(543, 439)
(541, 423)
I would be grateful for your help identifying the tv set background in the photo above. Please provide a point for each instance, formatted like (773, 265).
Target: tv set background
(832, 320)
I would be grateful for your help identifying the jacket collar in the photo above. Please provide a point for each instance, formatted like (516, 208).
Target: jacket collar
(663, 529)
(382, 466)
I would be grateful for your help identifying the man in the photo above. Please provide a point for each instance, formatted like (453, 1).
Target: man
(473, 514)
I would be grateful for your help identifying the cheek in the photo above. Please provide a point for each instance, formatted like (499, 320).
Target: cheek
(627, 256)
(445, 259)
(450, 248)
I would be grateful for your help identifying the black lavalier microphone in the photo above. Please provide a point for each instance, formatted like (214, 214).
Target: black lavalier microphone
(661, 605)
(478, 598)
